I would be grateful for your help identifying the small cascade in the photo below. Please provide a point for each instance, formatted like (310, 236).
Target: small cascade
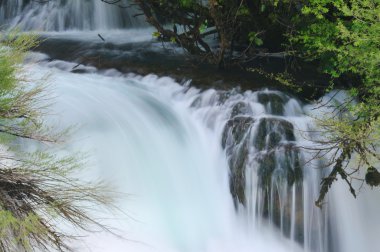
(159, 142)
(271, 178)
(210, 170)
(61, 15)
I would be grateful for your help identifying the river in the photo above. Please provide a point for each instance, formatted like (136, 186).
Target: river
(200, 169)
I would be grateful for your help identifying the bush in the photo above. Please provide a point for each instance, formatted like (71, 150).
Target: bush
(37, 190)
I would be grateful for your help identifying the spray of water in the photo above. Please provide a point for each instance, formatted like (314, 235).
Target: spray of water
(60, 15)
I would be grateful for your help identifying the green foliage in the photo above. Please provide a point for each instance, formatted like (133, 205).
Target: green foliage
(285, 79)
(254, 39)
(243, 11)
(234, 25)
(344, 37)
(156, 34)
(37, 189)
(186, 3)
(203, 27)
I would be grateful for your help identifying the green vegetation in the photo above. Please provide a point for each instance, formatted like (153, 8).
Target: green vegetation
(37, 189)
(239, 26)
(344, 37)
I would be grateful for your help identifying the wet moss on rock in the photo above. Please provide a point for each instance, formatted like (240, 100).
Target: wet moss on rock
(235, 129)
(241, 108)
(271, 131)
(235, 141)
(275, 102)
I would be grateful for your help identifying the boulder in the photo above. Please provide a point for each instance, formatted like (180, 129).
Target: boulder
(273, 101)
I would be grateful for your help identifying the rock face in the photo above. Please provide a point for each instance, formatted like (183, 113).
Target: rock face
(273, 101)
(266, 146)
(241, 108)
(372, 177)
(274, 141)
(236, 142)
(279, 173)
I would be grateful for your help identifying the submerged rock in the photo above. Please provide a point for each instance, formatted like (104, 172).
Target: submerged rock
(273, 101)
(237, 174)
(266, 146)
(283, 208)
(236, 129)
(276, 153)
(241, 108)
(279, 173)
(235, 141)
(271, 131)
(274, 139)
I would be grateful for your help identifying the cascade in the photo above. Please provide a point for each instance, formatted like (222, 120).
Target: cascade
(160, 142)
(60, 15)
(207, 170)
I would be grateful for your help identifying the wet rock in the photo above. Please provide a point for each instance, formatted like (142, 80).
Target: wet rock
(282, 161)
(280, 210)
(274, 139)
(196, 103)
(271, 131)
(237, 165)
(241, 108)
(235, 141)
(279, 170)
(235, 130)
(372, 177)
(274, 101)
(267, 164)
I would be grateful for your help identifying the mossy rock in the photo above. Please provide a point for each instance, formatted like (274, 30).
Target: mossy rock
(286, 162)
(280, 211)
(267, 164)
(275, 101)
(292, 165)
(274, 139)
(236, 128)
(196, 103)
(241, 108)
(282, 158)
(235, 141)
(271, 131)
(237, 165)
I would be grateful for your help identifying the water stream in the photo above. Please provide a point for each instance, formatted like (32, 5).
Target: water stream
(146, 136)
(205, 170)
(60, 15)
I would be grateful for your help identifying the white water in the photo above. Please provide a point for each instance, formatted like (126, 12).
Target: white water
(160, 143)
(147, 142)
(60, 15)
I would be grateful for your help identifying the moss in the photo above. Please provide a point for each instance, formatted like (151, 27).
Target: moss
(234, 139)
(241, 108)
(271, 131)
(237, 128)
(274, 101)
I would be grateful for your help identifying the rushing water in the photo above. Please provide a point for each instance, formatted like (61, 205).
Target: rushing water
(177, 152)
(147, 139)
(59, 15)
(205, 170)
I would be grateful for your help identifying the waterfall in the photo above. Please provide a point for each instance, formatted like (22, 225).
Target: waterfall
(160, 142)
(206, 170)
(60, 15)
